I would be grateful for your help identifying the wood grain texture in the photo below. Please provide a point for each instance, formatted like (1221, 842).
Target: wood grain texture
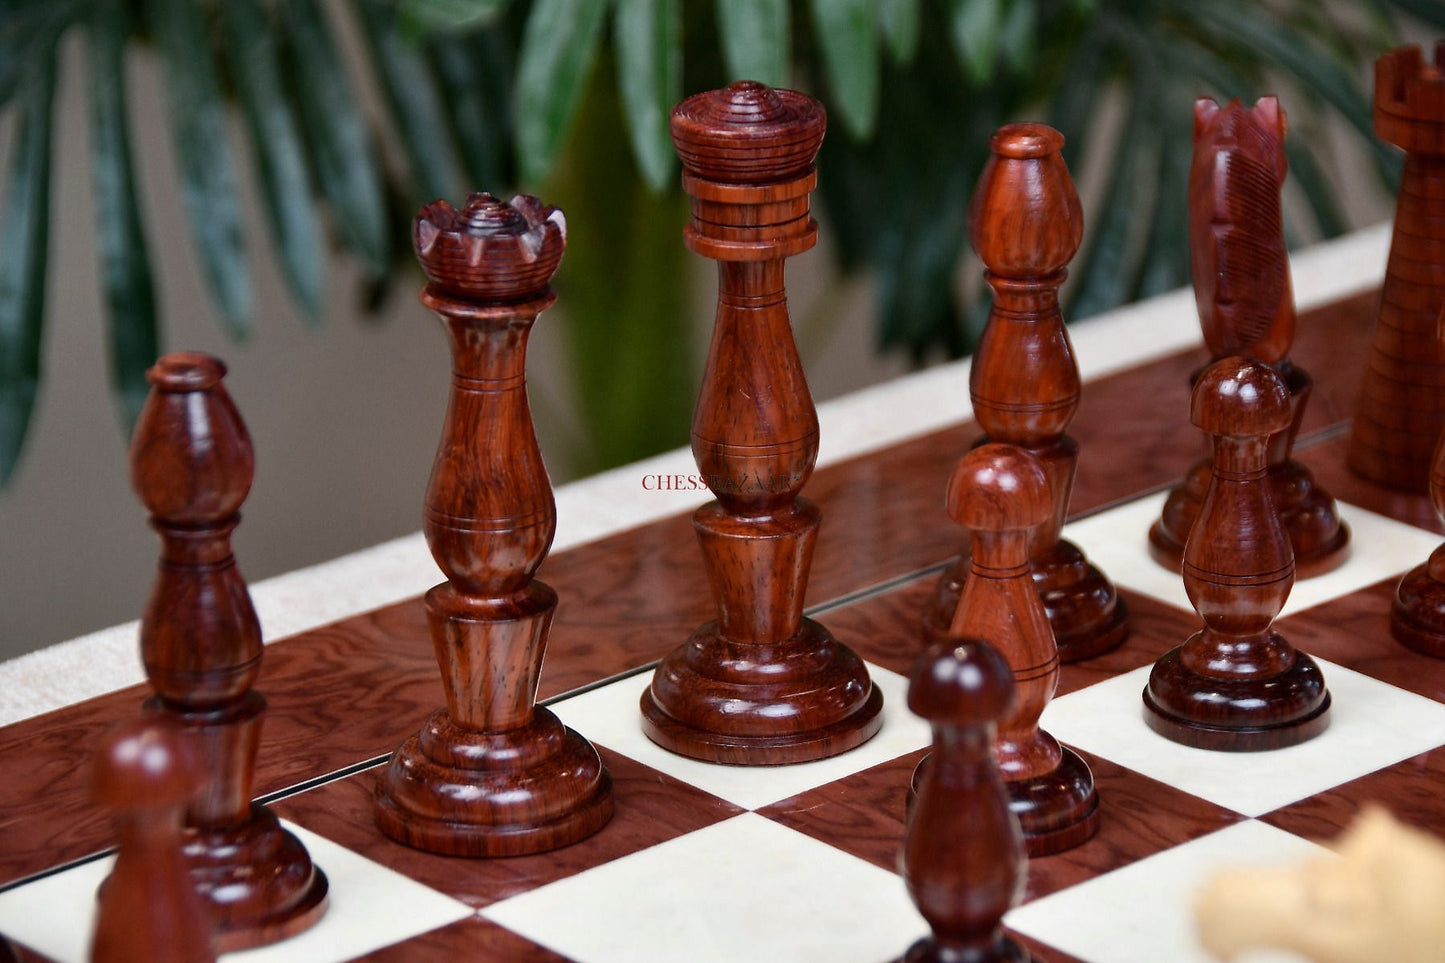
(355, 689)
(1402, 400)
(760, 685)
(963, 856)
(1000, 494)
(192, 466)
(1246, 307)
(1417, 619)
(1236, 684)
(491, 774)
(1026, 224)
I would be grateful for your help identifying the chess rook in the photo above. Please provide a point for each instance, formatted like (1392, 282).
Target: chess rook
(1026, 225)
(492, 774)
(146, 776)
(963, 856)
(1000, 494)
(1238, 685)
(1402, 399)
(761, 685)
(192, 466)
(1246, 307)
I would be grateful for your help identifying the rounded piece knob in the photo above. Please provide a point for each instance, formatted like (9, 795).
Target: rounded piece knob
(1239, 397)
(961, 682)
(1025, 219)
(145, 763)
(748, 133)
(999, 488)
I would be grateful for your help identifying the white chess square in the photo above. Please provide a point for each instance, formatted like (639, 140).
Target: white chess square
(745, 890)
(371, 906)
(1103, 920)
(1372, 725)
(1117, 542)
(610, 716)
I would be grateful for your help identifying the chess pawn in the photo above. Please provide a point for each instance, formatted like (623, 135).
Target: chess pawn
(1246, 307)
(1026, 224)
(492, 774)
(192, 465)
(1401, 411)
(1238, 685)
(145, 776)
(1417, 617)
(963, 855)
(760, 685)
(1000, 494)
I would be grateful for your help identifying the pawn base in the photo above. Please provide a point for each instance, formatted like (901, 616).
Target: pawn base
(1417, 617)
(256, 880)
(1236, 715)
(929, 950)
(461, 792)
(1056, 811)
(755, 704)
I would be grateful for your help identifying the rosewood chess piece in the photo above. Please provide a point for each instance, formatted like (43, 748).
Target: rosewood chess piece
(761, 685)
(1402, 400)
(963, 855)
(192, 465)
(1237, 685)
(1417, 617)
(1026, 225)
(145, 776)
(1246, 307)
(1000, 493)
(492, 774)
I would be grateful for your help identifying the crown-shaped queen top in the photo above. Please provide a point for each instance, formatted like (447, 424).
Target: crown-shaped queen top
(490, 250)
(748, 133)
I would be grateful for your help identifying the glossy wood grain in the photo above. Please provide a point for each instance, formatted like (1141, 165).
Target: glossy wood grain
(1417, 619)
(192, 466)
(1026, 224)
(1246, 307)
(1402, 401)
(491, 774)
(1236, 684)
(963, 874)
(1000, 494)
(355, 689)
(760, 685)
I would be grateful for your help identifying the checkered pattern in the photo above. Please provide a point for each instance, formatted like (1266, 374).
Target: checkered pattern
(798, 863)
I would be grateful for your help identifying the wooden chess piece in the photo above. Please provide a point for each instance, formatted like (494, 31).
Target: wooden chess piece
(1000, 494)
(1401, 411)
(1238, 685)
(1417, 617)
(761, 685)
(146, 776)
(963, 855)
(1246, 307)
(492, 774)
(1026, 225)
(192, 465)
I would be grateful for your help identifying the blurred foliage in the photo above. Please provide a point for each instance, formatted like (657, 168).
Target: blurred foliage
(570, 99)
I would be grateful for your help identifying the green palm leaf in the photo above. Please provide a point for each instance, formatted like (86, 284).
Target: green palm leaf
(756, 39)
(558, 47)
(648, 38)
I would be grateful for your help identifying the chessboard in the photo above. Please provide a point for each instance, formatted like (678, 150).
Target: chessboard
(791, 863)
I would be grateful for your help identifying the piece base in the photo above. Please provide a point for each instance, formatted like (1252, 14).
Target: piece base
(1083, 607)
(1417, 617)
(1236, 716)
(781, 749)
(462, 792)
(927, 950)
(256, 880)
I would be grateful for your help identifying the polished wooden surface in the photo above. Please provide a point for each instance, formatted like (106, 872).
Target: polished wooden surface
(1026, 224)
(145, 775)
(1402, 401)
(1000, 494)
(963, 855)
(762, 684)
(1417, 618)
(492, 774)
(192, 466)
(1237, 684)
(1246, 307)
